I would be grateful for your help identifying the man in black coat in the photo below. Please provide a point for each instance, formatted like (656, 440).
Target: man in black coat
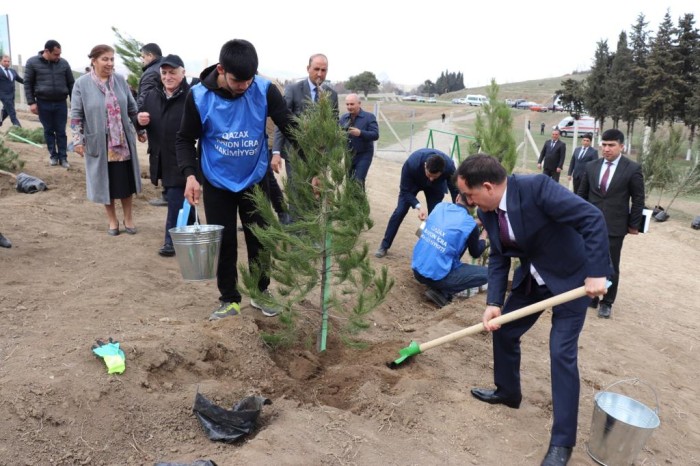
(160, 114)
(615, 185)
(581, 156)
(553, 155)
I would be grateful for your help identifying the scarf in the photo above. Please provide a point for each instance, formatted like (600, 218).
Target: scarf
(117, 147)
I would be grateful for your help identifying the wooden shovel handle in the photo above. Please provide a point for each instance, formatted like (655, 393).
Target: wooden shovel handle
(505, 318)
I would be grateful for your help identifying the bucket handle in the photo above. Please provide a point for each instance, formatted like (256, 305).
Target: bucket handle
(635, 381)
(196, 218)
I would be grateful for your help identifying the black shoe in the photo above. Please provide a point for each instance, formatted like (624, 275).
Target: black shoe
(604, 311)
(594, 303)
(4, 242)
(167, 250)
(557, 456)
(158, 202)
(491, 397)
(436, 297)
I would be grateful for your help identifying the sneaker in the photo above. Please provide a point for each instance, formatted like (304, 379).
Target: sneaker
(53, 162)
(65, 164)
(464, 294)
(381, 252)
(226, 310)
(167, 250)
(268, 310)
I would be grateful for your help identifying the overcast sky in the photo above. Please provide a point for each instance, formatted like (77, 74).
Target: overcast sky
(405, 43)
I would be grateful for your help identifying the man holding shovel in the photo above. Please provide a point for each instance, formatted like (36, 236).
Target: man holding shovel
(561, 243)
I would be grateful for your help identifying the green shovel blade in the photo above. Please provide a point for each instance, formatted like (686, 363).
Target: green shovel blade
(411, 350)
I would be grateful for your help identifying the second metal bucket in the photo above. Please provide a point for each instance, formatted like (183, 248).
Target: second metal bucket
(197, 250)
(620, 427)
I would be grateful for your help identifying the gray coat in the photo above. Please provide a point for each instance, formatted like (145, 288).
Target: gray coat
(87, 104)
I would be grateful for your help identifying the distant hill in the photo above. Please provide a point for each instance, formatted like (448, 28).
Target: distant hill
(537, 90)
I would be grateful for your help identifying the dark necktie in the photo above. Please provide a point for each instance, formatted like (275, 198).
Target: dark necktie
(604, 179)
(318, 94)
(553, 143)
(506, 242)
(583, 152)
(7, 73)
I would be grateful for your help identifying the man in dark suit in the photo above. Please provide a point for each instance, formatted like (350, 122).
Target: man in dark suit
(615, 185)
(303, 93)
(427, 170)
(581, 156)
(362, 130)
(8, 76)
(561, 243)
(553, 156)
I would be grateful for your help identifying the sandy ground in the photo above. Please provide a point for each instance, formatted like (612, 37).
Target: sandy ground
(66, 283)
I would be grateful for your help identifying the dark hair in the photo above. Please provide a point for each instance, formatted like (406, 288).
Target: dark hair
(435, 164)
(239, 58)
(588, 136)
(613, 135)
(99, 50)
(153, 49)
(557, 130)
(51, 44)
(478, 169)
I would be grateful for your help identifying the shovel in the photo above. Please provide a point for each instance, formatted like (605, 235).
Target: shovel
(414, 348)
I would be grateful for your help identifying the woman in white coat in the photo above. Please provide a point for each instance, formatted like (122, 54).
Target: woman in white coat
(101, 105)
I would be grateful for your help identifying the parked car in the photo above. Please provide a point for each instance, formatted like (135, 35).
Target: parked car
(410, 98)
(538, 108)
(420, 99)
(515, 102)
(525, 105)
(432, 100)
(555, 108)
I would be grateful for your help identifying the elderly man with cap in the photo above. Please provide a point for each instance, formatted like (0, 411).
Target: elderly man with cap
(225, 118)
(160, 115)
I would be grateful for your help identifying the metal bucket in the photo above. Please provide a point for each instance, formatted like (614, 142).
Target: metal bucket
(620, 426)
(197, 250)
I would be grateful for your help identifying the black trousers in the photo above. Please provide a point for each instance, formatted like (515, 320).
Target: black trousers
(615, 254)
(222, 207)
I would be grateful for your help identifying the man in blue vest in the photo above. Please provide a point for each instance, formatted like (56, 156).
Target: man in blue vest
(449, 231)
(223, 134)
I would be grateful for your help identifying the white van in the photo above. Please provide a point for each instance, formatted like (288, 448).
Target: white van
(476, 100)
(586, 124)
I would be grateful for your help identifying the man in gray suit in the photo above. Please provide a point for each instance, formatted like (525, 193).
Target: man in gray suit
(615, 185)
(301, 94)
(581, 156)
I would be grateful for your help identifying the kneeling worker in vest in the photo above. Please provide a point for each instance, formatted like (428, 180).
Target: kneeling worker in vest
(449, 231)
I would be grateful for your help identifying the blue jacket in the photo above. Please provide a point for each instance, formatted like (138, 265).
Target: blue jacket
(413, 179)
(448, 232)
(234, 141)
(366, 122)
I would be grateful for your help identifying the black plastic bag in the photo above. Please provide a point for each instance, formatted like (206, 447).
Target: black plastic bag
(29, 184)
(227, 425)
